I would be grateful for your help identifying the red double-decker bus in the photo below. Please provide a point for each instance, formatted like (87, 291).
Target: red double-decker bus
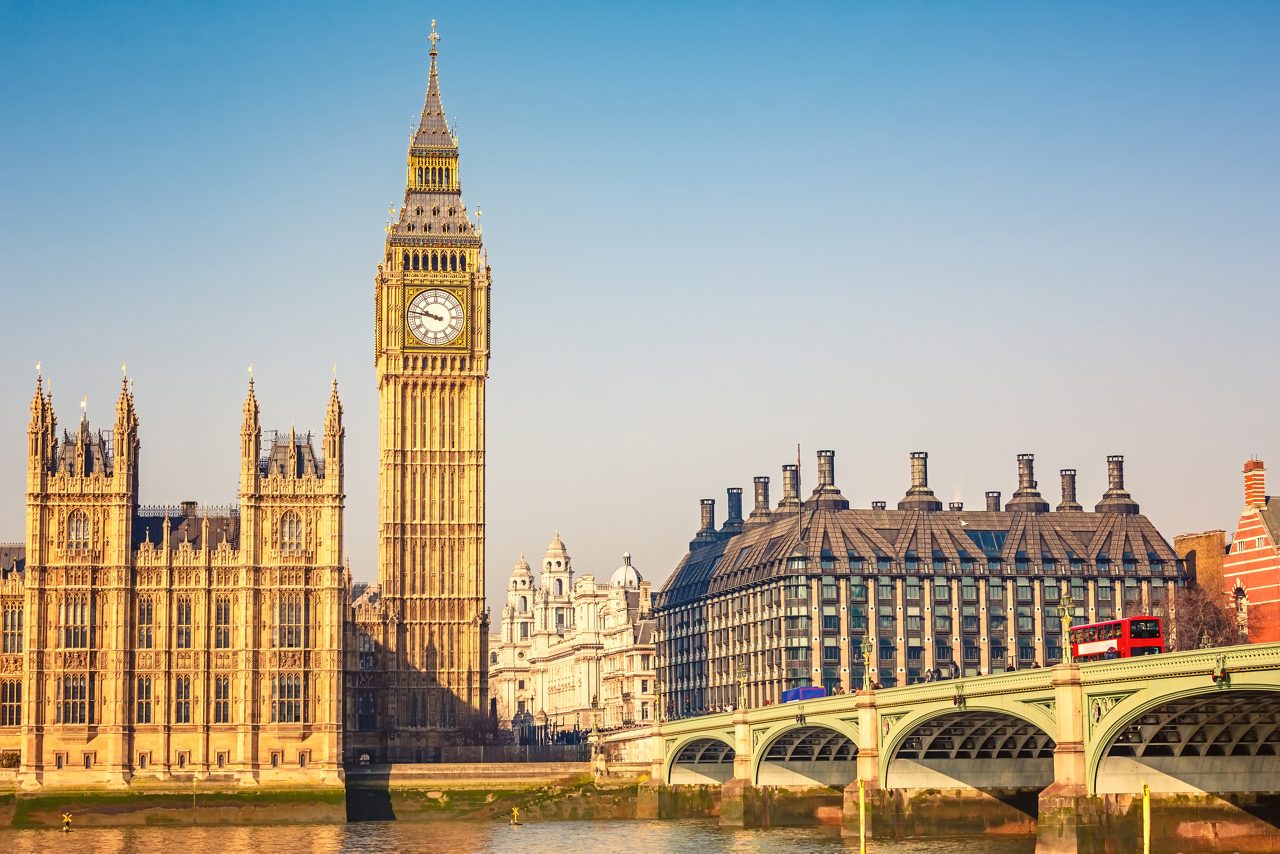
(1121, 638)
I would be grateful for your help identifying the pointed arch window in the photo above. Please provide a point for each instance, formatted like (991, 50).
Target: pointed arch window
(290, 532)
(453, 262)
(182, 700)
(407, 261)
(142, 700)
(415, 260)
(182, 624)
(292, 621)
(222, 622)
(146, 623)
(77, 530)
(435, 261)
(462, 262)
(289, 700)
(446, 176)
(419, 176)
(77, 617)
(13, 628)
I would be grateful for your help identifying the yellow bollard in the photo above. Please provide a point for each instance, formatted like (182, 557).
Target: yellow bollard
(862, 817)
(1146, 819)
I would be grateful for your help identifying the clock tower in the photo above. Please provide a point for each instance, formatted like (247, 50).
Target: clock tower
(431, 308)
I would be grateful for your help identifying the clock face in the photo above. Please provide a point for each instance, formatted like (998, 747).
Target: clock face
(435, 317)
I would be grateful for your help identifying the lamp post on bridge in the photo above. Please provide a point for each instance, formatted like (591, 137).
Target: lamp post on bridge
(1064, 614)
(657, 701)
(867, 649)
(742, 682)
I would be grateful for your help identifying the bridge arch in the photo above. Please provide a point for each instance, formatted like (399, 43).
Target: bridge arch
(970, 747)
(700, 760)
(1209, 739)
(813, 753)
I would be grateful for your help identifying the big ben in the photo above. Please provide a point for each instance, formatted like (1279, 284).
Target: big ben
(432, 358)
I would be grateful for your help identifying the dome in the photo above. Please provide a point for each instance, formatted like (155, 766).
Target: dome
(626, 575)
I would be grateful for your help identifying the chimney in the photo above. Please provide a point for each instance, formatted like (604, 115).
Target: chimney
(919, 469)
(760, 513)
(790, 486)
(993, 501)
(879, 505)
(827, 495)
(826, 468)
(1027, 499)
(1116, 499)
(707, 532)
(708, 515)
(955, 506)
(733, 520)
(1069, 501)
(920, 496)
(188, 508)
(1255, 484)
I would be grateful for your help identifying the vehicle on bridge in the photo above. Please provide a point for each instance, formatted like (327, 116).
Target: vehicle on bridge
(804, 692)
(1123, 638)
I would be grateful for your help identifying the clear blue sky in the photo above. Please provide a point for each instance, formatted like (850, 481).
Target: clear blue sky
(975, 229)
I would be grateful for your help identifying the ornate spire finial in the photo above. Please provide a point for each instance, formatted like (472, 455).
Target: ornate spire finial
(434, 37)
(251, 376)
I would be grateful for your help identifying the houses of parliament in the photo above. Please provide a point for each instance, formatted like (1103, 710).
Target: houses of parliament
(229, 644)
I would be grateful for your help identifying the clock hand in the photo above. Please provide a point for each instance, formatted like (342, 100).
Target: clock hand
(428, 314)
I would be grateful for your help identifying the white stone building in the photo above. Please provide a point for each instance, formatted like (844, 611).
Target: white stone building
(565, 642)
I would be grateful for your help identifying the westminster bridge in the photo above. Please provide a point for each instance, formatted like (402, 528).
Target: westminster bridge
(1064, 752)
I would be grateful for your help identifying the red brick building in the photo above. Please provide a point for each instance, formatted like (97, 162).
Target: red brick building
(1251, 569)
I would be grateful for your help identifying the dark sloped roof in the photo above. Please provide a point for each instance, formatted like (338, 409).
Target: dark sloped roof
(186, 524)
(13, 556)
(760, 553)
(1271, 517)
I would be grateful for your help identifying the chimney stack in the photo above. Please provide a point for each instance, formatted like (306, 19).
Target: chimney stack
(919, 469)
(993, 500)
(827, 495)
(956, 506)
(760, 513)
(1069, 501)
(1117, 498)
(1027, 499)
(826, 468)
(920, 496)
(707, 532)
(733, 519)
(1255, 484)
(879, 505)
(790, 486)
(708, 515)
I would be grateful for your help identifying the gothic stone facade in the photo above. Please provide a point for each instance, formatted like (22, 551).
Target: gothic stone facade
(567, 641)
(788, 596)
(174, 643)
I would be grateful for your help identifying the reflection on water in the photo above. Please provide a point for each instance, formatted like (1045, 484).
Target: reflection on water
(552, 837)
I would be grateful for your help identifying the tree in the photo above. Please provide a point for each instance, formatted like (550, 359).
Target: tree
(1201, 620)
(478, 728)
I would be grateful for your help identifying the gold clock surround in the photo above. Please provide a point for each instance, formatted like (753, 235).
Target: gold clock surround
(462, 293)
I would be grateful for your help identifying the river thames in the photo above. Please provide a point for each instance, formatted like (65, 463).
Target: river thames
(551, 837)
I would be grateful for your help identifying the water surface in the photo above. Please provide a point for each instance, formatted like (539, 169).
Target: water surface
(550, 837)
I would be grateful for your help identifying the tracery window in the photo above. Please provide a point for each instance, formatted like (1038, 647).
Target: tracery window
(77, 616)
(77, 530)
(293, 621)
(222, 622)
(222, 700)
(143, 700)
(146, 623)
(289, 699)
(182, 629)
(75, 699)
(290, 532)
(10, 702)
(365, 646)
(182, 700)
(12, 628)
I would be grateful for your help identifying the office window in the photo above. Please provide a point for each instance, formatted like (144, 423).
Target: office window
(289, 701)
